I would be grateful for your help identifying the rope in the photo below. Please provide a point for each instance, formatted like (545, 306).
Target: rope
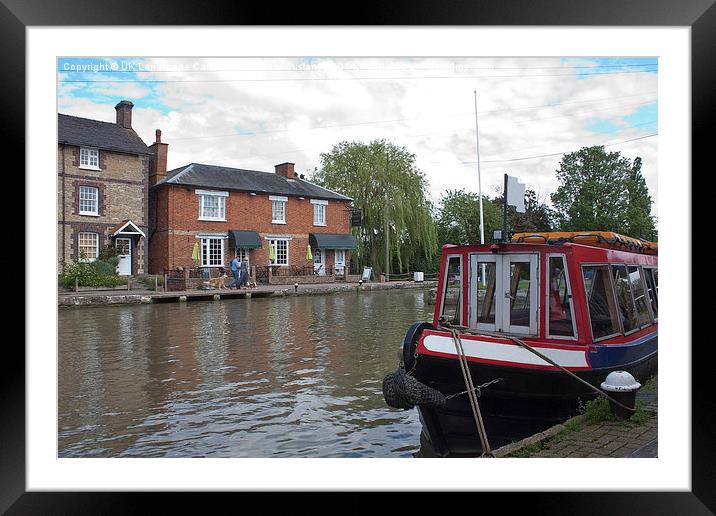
(474, 405)
(550, 361)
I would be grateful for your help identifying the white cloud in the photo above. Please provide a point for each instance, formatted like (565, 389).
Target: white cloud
(436, 115)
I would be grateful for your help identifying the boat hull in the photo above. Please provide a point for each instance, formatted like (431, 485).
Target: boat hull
(524, 400)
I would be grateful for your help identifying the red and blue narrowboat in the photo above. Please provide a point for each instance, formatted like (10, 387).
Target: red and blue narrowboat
(517, 316)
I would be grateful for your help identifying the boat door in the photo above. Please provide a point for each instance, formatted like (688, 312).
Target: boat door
(124, 252)
(318, 261)
(503, 293)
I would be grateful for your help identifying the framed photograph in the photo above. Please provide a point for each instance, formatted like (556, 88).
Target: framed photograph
(209, 166)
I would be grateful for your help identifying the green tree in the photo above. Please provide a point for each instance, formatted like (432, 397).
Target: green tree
(458, 218)
(537, 216)
(385, 184)
(639, 222)
(601, 191)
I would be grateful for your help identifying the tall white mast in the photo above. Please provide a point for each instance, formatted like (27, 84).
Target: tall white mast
(479, 179)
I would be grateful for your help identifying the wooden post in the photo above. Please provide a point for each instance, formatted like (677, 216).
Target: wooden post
(129, 280)
(156, 283)
(77, 285)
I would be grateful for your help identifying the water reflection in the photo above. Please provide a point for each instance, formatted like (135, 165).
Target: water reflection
(279, 377)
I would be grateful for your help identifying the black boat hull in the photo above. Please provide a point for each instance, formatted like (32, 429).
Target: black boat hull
(524, 401)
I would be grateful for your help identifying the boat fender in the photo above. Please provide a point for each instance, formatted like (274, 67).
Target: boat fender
(411, 341)
(404, 391)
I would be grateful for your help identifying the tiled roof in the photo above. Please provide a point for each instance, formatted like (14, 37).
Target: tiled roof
(75, 130)
(211, 176)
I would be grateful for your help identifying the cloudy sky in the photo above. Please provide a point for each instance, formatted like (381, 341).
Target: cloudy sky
(257, 112)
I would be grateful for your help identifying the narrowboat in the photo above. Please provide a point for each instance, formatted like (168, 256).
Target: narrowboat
(526, 324)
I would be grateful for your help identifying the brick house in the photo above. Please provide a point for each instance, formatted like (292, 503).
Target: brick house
(204, 215)
(102, 174)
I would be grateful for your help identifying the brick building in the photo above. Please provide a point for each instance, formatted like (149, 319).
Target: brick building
(102, 174)
(204, 215)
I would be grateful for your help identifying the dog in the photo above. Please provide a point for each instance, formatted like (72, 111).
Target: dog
(218, 282)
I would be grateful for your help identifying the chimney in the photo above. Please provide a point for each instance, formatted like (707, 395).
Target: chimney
(285, 170)
(124, 113)
(158, 160)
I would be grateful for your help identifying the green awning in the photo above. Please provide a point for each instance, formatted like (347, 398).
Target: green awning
(244, 239)
(332, 241)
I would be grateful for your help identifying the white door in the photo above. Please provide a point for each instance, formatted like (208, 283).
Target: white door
(340, 261)
(519, 277)
(503, 293)
(318, 262)
(124, 252)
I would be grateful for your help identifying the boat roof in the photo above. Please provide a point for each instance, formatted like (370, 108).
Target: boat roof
(604, 239)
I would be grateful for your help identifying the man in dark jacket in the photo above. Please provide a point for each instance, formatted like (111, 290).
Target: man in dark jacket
(244, 272)
(235, 273)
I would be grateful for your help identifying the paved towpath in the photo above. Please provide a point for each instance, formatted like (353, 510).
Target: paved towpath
(579, 437)
(135, 296)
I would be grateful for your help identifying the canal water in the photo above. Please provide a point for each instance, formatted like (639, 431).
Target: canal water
(274, 377)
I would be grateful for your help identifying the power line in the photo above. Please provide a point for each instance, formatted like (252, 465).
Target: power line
(407, 78)
(559, 153)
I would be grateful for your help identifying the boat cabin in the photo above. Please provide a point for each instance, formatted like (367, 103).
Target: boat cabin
(565, 288)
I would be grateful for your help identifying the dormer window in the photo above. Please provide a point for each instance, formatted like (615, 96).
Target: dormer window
(212, 205)
(89, 158)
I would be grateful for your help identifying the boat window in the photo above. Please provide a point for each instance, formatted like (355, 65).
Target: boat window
(637, 285)
(560, 300)
(452, 296)
(600, 299)
(627, 310)
(651, 289)
(486, 298)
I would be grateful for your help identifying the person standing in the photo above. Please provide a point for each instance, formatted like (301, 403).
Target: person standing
(244, 272)
(235, 272)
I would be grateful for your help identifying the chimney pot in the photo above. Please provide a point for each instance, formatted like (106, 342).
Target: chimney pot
(158, 134)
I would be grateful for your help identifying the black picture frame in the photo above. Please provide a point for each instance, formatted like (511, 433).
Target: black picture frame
(699, 15)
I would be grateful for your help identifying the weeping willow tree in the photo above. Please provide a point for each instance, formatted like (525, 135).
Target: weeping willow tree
(386, 186)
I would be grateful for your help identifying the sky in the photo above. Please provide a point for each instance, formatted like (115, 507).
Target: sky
(254, 113)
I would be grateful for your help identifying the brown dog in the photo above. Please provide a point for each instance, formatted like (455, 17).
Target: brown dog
(218, 282)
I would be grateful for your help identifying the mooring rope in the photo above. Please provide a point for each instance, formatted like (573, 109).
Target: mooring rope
(529, 348)
(474, 405)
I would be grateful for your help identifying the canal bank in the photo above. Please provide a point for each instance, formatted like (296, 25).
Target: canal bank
(595, 434)
(128, 297)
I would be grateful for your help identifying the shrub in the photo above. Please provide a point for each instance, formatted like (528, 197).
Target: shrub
(99, 273)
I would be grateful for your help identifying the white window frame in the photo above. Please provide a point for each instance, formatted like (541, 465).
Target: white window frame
(273, 241)
(206, 238)
(79, 247)
(221, 196)
(276, 200)
(569, 295)
(320, 206)
(94, 213)
(445, 285)
(89, 153)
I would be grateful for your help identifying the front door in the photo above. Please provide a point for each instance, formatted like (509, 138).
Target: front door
(124, 252)
(503, 293)
(318, 262)
(340, 261)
